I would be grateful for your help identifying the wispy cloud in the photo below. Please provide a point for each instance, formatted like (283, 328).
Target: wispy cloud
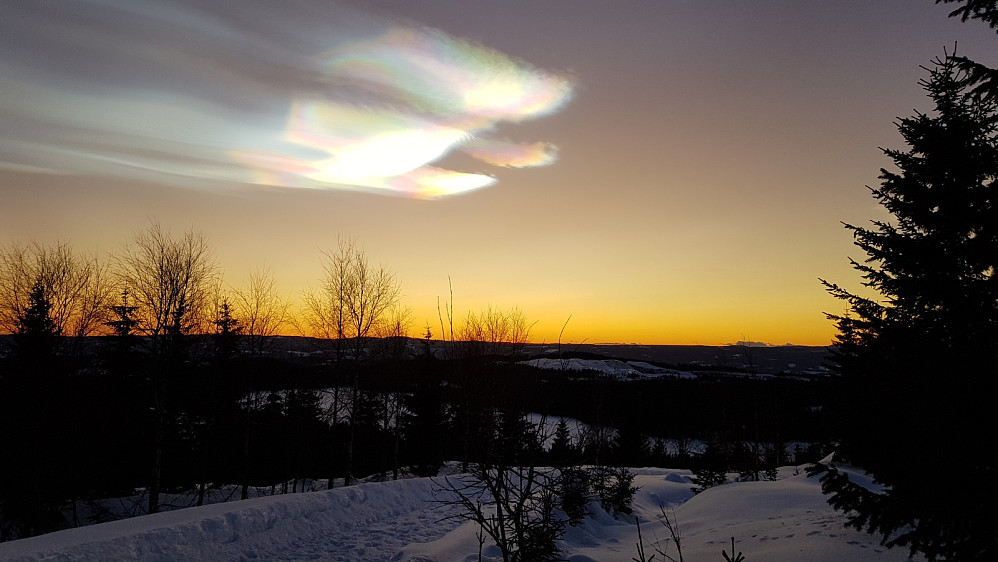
(251, 91)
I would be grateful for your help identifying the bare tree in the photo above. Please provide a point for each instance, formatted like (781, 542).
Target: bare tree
(511, 499)
(172, 282)
(78, 286)
(394, 334)
(447, 331)
(170, 279)
(324, 316)
(494, 332)
(351, 305)
(261, 310)
(500, 487)
(485, 340)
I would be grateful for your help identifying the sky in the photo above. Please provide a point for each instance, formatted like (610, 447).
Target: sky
(656, 172)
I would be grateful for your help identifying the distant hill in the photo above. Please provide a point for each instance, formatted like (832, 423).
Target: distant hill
(793, 359)
(796, 359)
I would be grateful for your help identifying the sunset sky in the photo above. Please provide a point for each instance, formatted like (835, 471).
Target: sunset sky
(664, 172)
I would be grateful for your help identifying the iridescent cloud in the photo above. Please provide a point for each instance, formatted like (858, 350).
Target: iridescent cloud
(251, 91)
(510, 154)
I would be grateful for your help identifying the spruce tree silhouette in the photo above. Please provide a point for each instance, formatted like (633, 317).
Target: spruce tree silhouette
(37, 333)
(28, 505)
(982, 78)
(984, 10)
(913, 359)
(424, 418)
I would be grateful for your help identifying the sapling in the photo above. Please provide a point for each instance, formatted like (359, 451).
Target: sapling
(733, 557)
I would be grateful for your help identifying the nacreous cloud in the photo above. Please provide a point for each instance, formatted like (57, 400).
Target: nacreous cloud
(293, 94)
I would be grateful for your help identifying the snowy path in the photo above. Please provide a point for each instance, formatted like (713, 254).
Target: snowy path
(364, 522)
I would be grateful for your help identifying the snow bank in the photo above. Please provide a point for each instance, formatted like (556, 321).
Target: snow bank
(363, 522)
(399, 520)
(783, 520)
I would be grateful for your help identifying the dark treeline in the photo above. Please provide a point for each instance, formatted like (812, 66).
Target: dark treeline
(99, 420)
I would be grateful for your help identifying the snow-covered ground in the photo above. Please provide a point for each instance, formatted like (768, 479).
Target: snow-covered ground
(624, 370)
(400, 520)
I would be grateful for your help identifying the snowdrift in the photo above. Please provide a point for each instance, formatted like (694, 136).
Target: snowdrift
(400, 520)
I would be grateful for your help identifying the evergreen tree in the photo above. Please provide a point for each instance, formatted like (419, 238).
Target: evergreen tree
(710, 468)
(562, 451)
(659, 453)
(984, 10)
(37, 333)
(227, 333)
(574, 490)
(124, 323)
(631, 447)
(30, 481)
(424, 417)
(912, 360)
(121, 356)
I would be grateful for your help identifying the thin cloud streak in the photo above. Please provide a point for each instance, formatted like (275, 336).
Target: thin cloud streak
(303, 95)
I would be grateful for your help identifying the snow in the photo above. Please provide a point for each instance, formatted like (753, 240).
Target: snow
(613, 367)
(370, 521)
(401, 520)
(548, 425)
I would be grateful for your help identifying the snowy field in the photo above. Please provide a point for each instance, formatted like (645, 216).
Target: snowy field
(622, 370)
(400, 521)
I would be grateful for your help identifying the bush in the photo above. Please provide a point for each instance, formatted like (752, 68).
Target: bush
(573, 489)
(615, 490)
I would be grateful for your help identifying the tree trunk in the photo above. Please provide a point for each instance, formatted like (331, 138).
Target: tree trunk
(336, 419)
(157, 460)
(347, 478)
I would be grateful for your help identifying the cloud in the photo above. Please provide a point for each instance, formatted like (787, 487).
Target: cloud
(307, 95)
(510, 154)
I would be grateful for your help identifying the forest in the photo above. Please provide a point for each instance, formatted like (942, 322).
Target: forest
(143, 377)
(108, 417)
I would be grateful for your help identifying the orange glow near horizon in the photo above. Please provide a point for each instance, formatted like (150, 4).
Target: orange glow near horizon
(718, 320)
(693, 331)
